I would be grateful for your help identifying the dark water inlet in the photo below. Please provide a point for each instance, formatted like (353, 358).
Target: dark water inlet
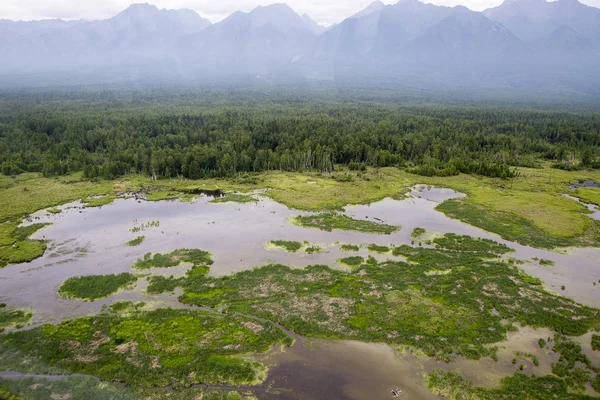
(585, 184)
(215, 194)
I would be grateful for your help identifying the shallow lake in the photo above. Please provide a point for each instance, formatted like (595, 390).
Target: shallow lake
(86, 241)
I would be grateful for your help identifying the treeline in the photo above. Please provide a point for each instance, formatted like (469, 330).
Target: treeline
(165, 137)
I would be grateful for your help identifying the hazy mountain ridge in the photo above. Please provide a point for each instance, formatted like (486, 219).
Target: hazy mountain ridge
(511, 40)
(533, 19)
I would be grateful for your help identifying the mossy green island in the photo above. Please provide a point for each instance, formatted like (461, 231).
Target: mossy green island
(287, 245)
(174, 258)
(95, 287)
(137, 241)
(329, 222)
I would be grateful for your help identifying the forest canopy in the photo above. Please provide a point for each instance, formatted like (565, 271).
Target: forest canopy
(164, 135)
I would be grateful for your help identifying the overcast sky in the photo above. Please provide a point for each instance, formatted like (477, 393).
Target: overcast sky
(324, 12)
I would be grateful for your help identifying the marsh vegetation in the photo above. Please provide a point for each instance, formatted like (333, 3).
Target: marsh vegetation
(153, 348)
(330, 221)
(234, 198)
(196, 257)
(570, 375)
(15, 245)
(287, 245)
(445, 299)
(10, 318)
(137, 241)
(95, 287)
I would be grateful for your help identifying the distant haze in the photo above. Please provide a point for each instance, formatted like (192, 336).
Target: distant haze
(325, 12)
(521, 46)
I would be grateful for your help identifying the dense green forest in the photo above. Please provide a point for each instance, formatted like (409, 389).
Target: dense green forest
(165, 135)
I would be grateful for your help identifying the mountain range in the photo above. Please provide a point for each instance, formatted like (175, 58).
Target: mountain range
(518, 41)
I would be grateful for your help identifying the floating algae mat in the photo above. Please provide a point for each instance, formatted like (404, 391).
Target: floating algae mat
(197, 261)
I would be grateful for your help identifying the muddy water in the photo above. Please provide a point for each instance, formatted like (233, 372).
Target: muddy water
(92, 241)
(316, 370)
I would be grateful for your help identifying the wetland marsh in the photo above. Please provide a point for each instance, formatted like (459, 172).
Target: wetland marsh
(382, 296)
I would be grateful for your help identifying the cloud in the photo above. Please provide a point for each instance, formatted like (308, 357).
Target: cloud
(323, 11)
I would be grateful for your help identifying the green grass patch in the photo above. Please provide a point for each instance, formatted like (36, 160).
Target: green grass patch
(13, 318)
(54, 210)
(6, 394)
(515, 228)
(546, 262)
(15, 245)
(137, 241)
(291, 246)
(121, 306)
(352, 261)
(98, 201)
(330, 221)
(23, 197)
(234, 198)
(153, 348)
(95, 287)
(378, 249)
(417, 232)
(161, 284)
(531, 280)
(596, 342)
(7, 236)
(349, 247)
(22, 252)
(195, 257)
(452, 241)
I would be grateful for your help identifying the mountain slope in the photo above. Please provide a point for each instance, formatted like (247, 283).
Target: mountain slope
(518, 42)
(531, 20)
(415, 32)
(267, 38)
(141, 32)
